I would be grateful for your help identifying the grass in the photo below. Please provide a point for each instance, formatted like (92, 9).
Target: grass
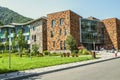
(24, 63)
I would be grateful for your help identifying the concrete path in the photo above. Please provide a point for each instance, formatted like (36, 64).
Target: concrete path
(108, 70)
(16, 75)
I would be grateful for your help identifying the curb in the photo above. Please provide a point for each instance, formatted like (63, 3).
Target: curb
(59, 69)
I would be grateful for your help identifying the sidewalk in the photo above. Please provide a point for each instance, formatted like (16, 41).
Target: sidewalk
(16, 75)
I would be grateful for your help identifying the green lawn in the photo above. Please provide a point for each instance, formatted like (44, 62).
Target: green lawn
(24, 63)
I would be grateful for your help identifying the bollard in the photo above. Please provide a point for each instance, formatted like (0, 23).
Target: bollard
(93, 54)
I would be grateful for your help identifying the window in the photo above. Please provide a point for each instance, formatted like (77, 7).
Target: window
(54, 44)
(51, 33)
(27, 37)
(60, 32)
(53, 23)
(61, 45)
(64, 45)
(61, 21)
(34, 38)
(34, 28)
(66, 32)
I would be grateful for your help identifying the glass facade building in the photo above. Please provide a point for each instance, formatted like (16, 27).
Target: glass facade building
(92, 33)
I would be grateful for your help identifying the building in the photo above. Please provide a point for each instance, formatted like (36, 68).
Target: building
(92, 33)
(34, 32)
(59, 26)
(38, 34)
(112, 33)
(51, 33)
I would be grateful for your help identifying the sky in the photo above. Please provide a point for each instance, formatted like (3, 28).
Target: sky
(101, 9)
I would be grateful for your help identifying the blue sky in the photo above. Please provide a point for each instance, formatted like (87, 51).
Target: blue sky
(101, 9)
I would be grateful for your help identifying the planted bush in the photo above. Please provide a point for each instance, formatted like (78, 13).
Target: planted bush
(54, 54)
(84, 52)
(46, 52)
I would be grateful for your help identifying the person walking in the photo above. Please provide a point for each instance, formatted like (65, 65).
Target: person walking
(116, 53)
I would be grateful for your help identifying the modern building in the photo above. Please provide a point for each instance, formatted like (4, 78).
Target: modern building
(92, 33)
(51, 33)
(32, 31)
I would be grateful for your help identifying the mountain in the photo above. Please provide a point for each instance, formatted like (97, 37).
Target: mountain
(8, 16)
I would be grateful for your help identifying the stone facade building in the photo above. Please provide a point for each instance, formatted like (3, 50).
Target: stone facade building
(59, 26)
(38, 34)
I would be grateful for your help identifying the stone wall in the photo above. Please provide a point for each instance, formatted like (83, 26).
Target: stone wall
(75, 27)
(40, 32)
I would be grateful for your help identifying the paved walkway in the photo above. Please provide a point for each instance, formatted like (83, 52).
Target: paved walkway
(104, 57)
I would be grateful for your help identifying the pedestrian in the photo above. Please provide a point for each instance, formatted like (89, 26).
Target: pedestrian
(116, 53)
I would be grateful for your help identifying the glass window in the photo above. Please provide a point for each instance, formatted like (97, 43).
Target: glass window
(65, 45)
(53, 23)
(52, 34)
(34, 38)
(66, 32)
(54, 44)
(60, 32)
(61, 45)
(61, 21)
(34, 28)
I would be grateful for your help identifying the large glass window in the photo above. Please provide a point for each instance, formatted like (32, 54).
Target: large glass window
(53, 23)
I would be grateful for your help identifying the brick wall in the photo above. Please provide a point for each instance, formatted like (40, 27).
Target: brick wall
(111, 38)
(70, 23)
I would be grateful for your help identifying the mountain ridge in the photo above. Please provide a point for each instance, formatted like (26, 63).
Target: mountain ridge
(8, 16)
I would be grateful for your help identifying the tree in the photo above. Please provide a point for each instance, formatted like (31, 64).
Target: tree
(35, 49)
(14, 42)
(1, 45)
(6, 39)
(21, 41)
(1, 23)
(71, 43)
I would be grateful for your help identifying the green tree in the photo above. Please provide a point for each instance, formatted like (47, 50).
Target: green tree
(1, 23)
(35, 49)
(1, 45)
(71, 43)
(6, 39)
(21, 42)
(14, 42)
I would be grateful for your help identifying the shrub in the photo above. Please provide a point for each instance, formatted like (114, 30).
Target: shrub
(35, 49)
(54, 54)
(46, 52)
(84, 52)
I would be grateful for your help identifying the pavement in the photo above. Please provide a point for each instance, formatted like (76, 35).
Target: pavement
(105, 56)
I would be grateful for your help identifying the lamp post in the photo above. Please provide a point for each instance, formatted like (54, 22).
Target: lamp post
(30, 50)
(9, 54)
(94, 45)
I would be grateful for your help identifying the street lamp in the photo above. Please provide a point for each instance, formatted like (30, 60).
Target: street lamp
(9, 54)
(94, 45)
